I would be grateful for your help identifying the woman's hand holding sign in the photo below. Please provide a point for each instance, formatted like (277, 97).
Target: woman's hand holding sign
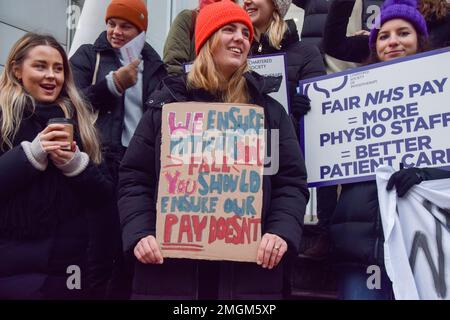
(271, 250)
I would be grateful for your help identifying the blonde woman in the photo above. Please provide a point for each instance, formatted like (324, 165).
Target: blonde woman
(49, 188)
(219, 74)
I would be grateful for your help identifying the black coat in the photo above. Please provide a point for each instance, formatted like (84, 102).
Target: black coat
(282, 212)
(439, 31)
(314, 20)
(111, 108)
(356, 228)
(49, 221)
(303, 60)
(335, 40)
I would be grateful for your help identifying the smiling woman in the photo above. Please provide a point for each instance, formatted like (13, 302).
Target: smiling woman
(401, 31)
(47, 182)
(220, 74)
(119, 32)
(397, 38)
(231, 48)
(42, 73)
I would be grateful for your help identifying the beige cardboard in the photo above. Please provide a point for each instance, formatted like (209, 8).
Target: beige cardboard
(220, 178)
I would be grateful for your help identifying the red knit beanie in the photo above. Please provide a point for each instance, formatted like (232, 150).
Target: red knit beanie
(133, 11)
(216, 15)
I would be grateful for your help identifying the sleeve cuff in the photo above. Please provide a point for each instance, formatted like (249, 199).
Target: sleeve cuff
(35, 154)
(76, 165)
(111, 86)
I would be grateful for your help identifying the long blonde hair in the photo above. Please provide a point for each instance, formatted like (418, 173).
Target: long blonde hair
(275, 31)
(205, 75)
(14, 99)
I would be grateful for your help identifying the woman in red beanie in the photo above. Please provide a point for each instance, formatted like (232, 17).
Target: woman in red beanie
(117, 92)
(219, 74)
(179, 47)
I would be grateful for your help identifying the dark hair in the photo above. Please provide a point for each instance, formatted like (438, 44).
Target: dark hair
(434, 8)
(422, 46)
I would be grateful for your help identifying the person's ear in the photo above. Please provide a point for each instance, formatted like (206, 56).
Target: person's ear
(17, 70)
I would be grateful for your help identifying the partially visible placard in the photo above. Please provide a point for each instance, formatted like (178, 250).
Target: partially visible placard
(268, 65)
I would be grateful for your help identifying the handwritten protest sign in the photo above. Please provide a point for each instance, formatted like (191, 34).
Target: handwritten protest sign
(384, 114)
(210, 186)
(268, 65)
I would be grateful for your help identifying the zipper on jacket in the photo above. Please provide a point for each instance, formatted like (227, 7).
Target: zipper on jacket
(377, 248)
(260, 48)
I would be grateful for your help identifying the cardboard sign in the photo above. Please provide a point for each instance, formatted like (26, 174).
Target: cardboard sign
(210, 185)
(391, 113)
(268, 65)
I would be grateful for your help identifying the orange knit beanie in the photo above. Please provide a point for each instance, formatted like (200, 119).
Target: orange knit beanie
(216, 15)
(133, 11)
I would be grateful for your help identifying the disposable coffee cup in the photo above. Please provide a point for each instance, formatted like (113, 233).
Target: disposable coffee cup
(68, 127)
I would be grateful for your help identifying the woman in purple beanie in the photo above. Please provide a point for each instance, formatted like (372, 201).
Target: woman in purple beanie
(354, 48)
(356, 228)
(400, 30)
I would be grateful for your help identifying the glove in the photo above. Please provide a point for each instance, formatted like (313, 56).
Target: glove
(404, 179)
(300, 105)
(126, 76)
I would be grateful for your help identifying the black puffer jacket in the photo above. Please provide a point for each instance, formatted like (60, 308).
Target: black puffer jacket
(314, 20)
(356, 227)
(439, 31)
(48, 221)
(111, 108)
(303, 60)
(335, 40)
(284, 199)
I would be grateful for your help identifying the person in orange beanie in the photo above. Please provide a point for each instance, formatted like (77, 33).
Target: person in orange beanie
(133, 11)
(116, 89)
(219, 74)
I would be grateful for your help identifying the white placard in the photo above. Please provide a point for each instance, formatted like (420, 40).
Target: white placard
(383, 114)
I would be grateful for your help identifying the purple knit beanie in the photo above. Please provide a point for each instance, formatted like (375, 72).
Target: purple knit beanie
(399, 9)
